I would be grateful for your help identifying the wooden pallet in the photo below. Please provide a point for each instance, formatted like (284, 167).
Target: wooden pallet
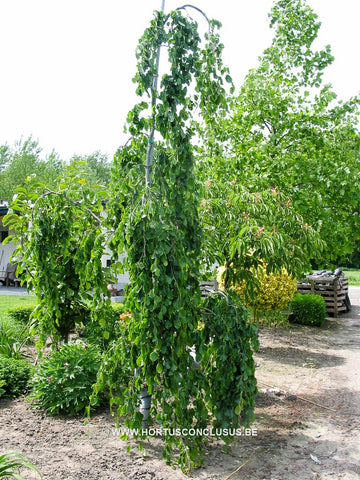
(334, 290)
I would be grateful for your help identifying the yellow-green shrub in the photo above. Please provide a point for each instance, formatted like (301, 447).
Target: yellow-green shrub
(275, 290)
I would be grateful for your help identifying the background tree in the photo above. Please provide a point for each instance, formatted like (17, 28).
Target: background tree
(287, 131)
(246, 232)
(4, 156)
(97, 170)
(23, 160)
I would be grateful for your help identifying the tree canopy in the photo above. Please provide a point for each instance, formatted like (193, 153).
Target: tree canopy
(25, 158)
(22, 161)
(286, 131)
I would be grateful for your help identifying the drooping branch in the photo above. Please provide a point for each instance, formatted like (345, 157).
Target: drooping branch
(48, 191)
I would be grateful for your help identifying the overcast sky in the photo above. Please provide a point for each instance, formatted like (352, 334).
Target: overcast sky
(67, 65)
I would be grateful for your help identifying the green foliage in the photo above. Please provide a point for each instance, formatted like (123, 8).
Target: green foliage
(13, 337)
(273, 292)
(97, 169)
(352, 260)
(63, 382)
(16, 374)
(2, 384)
(155, 221)
(219, 394)
(116, 371)
(20, 314)
(287, 132)
(243, 229)
(60, 254)
(23, 160)
(107, 330)
(308, 309)
(12, 462)
(224, 346)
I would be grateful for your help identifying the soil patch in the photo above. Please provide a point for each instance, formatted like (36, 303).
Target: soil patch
(307, 420)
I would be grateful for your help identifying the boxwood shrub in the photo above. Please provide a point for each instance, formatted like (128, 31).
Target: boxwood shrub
(308, 309)
(14, 376)
(20, 314)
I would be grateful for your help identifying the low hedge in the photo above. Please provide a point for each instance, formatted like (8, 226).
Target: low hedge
(14, 376)
(308, 309)
(20, 314)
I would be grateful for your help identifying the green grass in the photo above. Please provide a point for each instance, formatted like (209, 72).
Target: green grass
(11, 301)
(13, 335)
(354, 276)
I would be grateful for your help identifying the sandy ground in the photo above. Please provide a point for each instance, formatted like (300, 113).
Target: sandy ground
(307, 420)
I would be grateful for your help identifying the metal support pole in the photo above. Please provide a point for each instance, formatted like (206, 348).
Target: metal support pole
(145, 397)
(150, 146)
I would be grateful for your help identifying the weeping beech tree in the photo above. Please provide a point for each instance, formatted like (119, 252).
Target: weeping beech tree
(154, 214)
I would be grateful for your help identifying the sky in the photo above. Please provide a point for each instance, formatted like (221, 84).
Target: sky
(67, 65)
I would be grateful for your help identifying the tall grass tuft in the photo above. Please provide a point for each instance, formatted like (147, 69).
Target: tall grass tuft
(10, 464)
(13, 337)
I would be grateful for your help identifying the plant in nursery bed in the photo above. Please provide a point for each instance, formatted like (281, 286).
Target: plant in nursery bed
(308, 309)
(155, 221)
(268, 292)
(14, 376)
(13, 337)
(62, 383)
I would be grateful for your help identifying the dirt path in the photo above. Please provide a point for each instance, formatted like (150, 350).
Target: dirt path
(312, 365)
(321, 366)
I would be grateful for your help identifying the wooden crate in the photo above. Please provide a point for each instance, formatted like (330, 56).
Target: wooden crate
(334, 290)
